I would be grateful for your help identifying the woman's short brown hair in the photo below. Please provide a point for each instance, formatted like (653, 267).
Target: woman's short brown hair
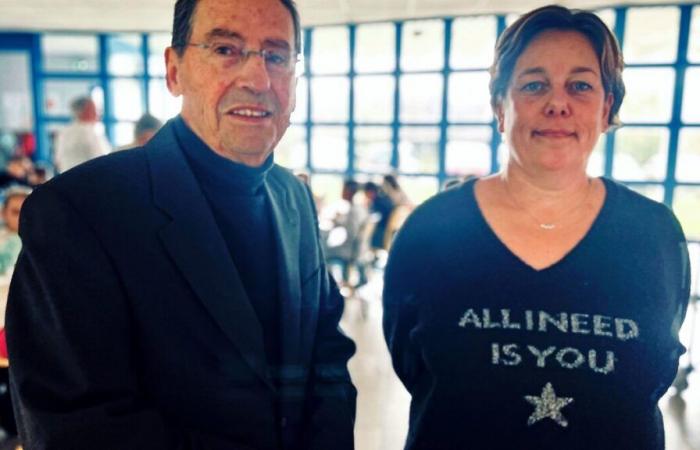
(518, 36)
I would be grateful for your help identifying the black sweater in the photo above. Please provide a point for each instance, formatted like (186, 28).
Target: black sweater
(497, 355)
(238, 200)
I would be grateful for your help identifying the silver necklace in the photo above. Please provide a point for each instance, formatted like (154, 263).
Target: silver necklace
(548, 225)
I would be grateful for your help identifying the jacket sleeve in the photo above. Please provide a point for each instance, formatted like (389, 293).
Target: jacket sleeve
(73, 377)
(331, 416)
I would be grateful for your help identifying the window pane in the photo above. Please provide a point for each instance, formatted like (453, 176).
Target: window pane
(70, 53)
(691, 95)
(694, 39)
(419, 189)
(374, 99)
(651, 35)
(655, 193)
(16, 94)
(640, 154)
(686, 205)
(329, 148)
(469, 97)
(649, 95)
(468, 151)
(125, 57)
(326, 189)
(291, 150)
(596, 162)
(607, 16)
(127, 97)
(688, 163)
(418, 149)
(373, 149)
(161, 103)
(58, 95)
(422, 45)
(157, 43)
(420, 98)
(330, 50)
(330, 98)
(123, 134)
(473, 40)
(375, 47)
(301, 110)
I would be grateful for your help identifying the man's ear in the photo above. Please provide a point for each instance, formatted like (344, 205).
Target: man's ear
(172, 67)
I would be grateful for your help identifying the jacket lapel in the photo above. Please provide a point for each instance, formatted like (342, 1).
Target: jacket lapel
(197, 247)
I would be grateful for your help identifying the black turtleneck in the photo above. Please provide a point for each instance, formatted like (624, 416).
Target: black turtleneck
(237, 197)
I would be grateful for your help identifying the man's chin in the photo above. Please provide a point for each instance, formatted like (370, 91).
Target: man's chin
(250, 155)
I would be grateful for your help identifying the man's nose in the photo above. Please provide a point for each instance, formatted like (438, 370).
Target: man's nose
(252, 73)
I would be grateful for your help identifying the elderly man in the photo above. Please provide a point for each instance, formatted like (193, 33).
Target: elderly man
(81, 140)
(182, 302)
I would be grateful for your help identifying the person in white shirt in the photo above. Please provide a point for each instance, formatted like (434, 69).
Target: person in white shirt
(81, 140)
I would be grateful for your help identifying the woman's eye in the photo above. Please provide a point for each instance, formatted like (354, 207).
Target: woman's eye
(533, 86)
(580, 86)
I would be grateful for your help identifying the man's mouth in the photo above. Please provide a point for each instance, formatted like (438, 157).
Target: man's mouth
(250, 113)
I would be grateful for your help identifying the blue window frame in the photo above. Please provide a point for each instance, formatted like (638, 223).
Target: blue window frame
(409, 97)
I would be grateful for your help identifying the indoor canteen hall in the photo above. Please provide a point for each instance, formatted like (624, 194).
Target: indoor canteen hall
(482, 219)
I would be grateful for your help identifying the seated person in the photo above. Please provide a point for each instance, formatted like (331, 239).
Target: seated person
(343, 242)
(10, 246)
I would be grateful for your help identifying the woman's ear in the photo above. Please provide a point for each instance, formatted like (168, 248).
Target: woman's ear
(498, 110)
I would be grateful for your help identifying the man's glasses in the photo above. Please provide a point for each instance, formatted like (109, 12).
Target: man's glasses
(228, 55)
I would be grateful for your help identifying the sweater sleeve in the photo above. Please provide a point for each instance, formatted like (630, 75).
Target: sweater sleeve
(400, 309)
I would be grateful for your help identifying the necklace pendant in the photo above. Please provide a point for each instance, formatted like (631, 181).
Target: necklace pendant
(547, 226)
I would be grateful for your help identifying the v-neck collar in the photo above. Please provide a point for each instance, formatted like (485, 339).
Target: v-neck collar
(600, 218)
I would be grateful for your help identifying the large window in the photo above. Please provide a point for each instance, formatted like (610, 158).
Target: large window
(411, 97)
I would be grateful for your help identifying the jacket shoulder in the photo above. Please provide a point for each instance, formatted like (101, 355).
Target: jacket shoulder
(120, 168)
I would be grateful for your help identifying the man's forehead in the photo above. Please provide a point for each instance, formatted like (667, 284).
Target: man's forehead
(247, 19)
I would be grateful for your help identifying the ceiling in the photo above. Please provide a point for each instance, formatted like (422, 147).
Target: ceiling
(156, 15)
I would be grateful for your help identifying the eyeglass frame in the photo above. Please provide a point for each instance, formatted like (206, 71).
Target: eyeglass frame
(294, 56)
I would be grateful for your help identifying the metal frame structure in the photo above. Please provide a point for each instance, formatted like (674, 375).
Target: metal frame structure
(32, 43)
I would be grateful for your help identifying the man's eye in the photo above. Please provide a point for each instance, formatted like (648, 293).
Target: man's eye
(276, 58)
(225, 50)
(533, 86)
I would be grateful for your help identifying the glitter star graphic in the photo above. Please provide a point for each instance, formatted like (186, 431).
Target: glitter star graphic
(548, 405)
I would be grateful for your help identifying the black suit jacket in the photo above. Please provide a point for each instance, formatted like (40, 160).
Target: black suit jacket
(128, 326)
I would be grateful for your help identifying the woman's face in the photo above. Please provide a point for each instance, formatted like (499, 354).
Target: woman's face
(555, 108)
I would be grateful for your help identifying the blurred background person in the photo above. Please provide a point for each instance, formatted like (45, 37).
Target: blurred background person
(82, 140)
(10, 246)
(144, 129)
(390, 185)
(343, 241)
(380, 206)
(402, 208)
(19, 171)
(537, 307)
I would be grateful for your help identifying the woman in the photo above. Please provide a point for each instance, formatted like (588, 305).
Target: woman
(539, 308)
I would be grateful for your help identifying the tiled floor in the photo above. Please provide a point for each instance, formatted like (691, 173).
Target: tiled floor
(382, 410)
